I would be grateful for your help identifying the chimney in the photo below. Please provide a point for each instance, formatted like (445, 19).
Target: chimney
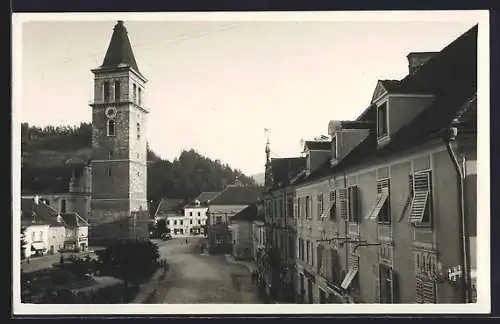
(36, 199)
(417, 59)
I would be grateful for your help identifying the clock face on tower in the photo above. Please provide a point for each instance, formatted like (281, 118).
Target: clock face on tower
(111, 112)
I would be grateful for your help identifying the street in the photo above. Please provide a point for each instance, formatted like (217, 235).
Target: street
(199, 278)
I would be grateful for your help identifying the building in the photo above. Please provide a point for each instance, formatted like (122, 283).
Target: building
(381, 220)
(119, 207)
(171, 211)
(258, 233)
(76, 232)
(70, 189)
(222, 208)
(43, 228)
(241, 231)
(195, 213)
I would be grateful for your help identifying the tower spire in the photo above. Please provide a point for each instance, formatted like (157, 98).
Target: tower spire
(119, 53)
(268, 147)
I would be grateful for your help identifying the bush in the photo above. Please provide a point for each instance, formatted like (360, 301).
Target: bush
(129, 260)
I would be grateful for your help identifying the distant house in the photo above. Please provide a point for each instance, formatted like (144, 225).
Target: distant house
(222, 208)
(171, 210)
(195, 213)
(43, 227)
(77, 232)
(241, 232)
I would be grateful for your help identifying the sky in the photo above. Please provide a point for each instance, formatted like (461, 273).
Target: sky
(214, 86)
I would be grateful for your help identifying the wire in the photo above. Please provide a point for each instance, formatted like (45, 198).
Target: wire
(96, 56)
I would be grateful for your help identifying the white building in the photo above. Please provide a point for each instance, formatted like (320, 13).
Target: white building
(195, 214)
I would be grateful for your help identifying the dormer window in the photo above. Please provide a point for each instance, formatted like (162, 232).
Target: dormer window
(382, 124)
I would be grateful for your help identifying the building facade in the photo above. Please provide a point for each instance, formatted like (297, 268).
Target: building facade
(381, 221)
(233, 199)
(195, 214)
(119, 208)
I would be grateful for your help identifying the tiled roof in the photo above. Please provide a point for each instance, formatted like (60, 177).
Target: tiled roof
(318, 145)
(248, 213)
(37, 214)
(284, 169)
(73, 220)
(451, 77)
(169, 206)
(237, 195)
(119, 52)
(205, 197)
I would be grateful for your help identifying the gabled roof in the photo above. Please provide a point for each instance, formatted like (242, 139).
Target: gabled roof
(248, 214)
(74, 220)
(317, 145)
(237, 195)
(204, 198)
(38, 214)
(169, 206)
(451, 77)
(284, 169)
(119, 53)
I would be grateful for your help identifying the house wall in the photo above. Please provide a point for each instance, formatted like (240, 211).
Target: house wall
(241, 232)
(36, 233)
(56, 237)
(442, 238)
(195, 217)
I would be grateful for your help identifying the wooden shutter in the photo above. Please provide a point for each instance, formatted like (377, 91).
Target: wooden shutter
(342, 202)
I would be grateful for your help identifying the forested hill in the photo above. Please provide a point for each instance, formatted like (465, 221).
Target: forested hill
(56, 150)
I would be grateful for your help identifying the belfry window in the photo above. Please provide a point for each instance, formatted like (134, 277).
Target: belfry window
(111, 127)
(135, 93)
(117, 90)
(106, 91)
(139, 95)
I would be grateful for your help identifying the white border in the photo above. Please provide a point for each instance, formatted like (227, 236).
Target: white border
(483, 222)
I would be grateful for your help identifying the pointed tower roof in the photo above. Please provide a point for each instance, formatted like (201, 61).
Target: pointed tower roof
(119, 53)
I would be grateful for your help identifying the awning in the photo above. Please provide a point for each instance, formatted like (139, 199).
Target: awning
(348, 278)
(37, 246)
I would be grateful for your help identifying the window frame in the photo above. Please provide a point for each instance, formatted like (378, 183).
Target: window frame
(319, 206)
(384, 107)
(426, 219)
(111, 125)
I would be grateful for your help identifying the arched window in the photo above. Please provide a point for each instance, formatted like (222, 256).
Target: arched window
(111, 127)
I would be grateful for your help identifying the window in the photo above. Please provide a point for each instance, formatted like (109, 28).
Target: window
(381, 210)
(182, 222)
(319, 201)
(299, 208)
(191, 222)
(111, 127)
(290, 207)
(168, 222)
(181, 231)
(421, 192)
(425, 261)
(117, 90)
(63, 206)
(308, 207)
(322, 297)
(41, 236)
(333, 205)
(140, 95)
(199, 222)
(386, 284)
(199, 214)
(190, 213)
(352, 199)
(334, 147)
(351, 278)
(138, 126)
(319, 257)
(135, 92)
(334, 267)
(32, 236)
(308, 247)
(382, 129)
(342, 201)
(218, 220)
(106, 91)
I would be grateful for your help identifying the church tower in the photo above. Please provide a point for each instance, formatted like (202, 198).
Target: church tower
(119, 171)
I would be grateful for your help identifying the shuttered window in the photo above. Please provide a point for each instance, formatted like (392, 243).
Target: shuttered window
(342, 200)
(319, 206)
(352, 200)
(425, 291)
(332, 205)
(425, 288)
(421, 196)
(380, 209)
